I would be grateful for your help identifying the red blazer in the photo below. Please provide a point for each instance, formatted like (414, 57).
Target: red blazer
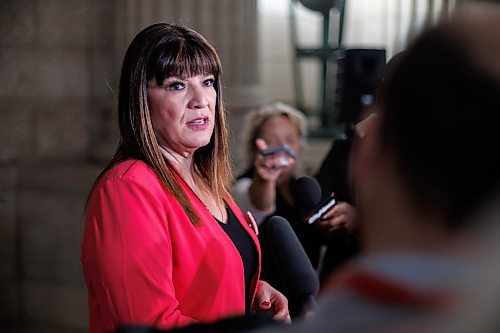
(145, 263)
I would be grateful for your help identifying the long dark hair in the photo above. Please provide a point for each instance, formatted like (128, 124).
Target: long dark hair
(159, 51)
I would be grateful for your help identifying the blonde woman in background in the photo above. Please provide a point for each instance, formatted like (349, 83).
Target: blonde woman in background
(265, 179)
(275, 136)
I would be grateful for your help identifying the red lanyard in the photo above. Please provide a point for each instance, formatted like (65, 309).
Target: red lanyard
(380, 289)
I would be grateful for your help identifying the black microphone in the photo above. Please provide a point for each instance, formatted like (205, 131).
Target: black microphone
(306, 192)
(294, 269)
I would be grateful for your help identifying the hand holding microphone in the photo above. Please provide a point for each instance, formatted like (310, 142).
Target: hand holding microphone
(329, 214)
(342, 215)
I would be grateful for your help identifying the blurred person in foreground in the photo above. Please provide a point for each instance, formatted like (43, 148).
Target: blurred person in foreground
(334, 176)
(164, 243)
(265, 188)
(425, 173)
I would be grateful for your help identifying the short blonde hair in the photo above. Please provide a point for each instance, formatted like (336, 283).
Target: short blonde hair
(257, 118)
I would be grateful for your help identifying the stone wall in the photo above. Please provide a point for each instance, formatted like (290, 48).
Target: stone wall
(59, 63)
(52, 55)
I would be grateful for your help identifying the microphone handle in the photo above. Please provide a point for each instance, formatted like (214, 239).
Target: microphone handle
(316, 215)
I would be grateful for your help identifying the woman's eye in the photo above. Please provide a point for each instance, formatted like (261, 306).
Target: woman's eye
(176, 86)
(209, 82)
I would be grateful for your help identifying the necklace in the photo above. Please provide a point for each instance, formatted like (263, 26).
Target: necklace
(197, 192)
(209, 210)
(213, 214)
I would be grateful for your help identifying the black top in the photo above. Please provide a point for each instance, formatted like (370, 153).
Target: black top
(246, 248)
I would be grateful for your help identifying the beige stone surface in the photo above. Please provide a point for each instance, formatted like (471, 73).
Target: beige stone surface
(52, 303)
(17, 22)
(59, 67)
(62, 129)
(9, 297)
(63, 22)
(17, 138)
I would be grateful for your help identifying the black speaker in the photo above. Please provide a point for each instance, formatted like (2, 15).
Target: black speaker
(358, 74)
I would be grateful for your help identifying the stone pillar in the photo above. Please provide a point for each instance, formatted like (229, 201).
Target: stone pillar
(9, 270)
(53, 53)
(103, 65)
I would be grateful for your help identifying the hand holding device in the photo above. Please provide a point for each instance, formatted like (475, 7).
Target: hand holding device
(307, 195)
(325, 210)
(270, 162)
(279, 156)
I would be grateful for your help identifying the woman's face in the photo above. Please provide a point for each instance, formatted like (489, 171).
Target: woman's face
(183, 112)
(279, 130)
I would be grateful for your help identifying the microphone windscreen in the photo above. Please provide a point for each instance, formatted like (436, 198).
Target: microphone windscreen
(292, 264)
(306, 192)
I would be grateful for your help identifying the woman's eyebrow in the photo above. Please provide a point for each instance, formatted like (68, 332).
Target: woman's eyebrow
(175, 77)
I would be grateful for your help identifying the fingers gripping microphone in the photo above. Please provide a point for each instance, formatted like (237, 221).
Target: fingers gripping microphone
(293, 266)
(307, 195)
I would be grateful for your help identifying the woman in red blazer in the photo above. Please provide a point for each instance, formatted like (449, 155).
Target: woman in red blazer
(164, 244)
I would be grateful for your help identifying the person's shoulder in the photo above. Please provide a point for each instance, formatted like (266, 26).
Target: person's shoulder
(242, 183)
(128, 168)
(131, 170)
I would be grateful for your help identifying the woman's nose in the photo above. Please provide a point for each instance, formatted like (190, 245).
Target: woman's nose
(198, 98)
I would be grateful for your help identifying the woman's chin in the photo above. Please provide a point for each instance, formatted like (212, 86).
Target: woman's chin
(199, 144)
